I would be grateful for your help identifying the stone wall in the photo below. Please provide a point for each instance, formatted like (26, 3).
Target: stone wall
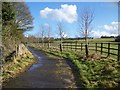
(22, 50)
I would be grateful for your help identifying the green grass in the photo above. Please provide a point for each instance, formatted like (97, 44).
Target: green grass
(92, 40)
(91, 46)
(12, 69)
(103, 73)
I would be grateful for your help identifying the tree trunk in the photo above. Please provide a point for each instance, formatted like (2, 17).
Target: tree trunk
(48, 44)
(42, 42)
(60, 47)
(86, 50)
(61, 44)
(86, 46)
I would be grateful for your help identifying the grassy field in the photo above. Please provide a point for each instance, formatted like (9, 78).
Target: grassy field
(102, 73)
(98, 71)
(98, 40)
(71, 45)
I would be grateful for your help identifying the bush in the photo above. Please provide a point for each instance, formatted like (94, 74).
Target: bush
(117, 39)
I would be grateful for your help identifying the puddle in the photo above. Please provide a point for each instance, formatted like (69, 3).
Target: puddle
(34, 66)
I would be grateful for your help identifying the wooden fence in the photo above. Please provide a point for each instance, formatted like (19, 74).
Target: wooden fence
(108, 48)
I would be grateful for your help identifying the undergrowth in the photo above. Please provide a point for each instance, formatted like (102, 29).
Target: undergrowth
(12, 69)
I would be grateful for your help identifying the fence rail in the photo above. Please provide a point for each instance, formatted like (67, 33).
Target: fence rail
(110, 49)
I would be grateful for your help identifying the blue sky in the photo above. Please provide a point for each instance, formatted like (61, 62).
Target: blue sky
(105, 21)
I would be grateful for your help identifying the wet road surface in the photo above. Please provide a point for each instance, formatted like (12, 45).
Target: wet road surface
(47, 73)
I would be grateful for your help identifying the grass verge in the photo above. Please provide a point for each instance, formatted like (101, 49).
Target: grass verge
(13, 69)
(102, 73)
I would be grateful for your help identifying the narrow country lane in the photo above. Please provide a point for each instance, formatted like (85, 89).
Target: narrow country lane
(47, 73)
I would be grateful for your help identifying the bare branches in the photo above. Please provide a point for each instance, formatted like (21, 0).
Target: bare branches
(42, 31)
(85, 20)
(85, 24)
(49, 32)
(24, 20)
(60, 29)
(45, 33)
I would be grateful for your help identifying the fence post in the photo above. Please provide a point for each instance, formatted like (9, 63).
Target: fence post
(101, 47)
(108, 49)
(119, 52)
(81, 46)
(76, 46)
(62, 46)
(96, 47)
(67, 46)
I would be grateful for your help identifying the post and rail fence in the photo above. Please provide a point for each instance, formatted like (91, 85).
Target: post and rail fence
(109, 49)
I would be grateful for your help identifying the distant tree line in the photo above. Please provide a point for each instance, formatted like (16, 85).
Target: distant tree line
(108, 36)
(117, 39)
(78, 38)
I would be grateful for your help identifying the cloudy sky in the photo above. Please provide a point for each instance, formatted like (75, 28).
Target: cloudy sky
(49, 13)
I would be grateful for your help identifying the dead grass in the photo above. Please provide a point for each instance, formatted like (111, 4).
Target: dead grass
(13, 69)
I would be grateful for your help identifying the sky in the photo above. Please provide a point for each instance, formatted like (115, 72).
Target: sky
(50, 13)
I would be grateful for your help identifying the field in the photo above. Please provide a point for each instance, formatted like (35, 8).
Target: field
(103, 73)
(94, 46)
(91, 40)
(95, 72)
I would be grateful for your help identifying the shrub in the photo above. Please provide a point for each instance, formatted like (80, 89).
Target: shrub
(117, 39)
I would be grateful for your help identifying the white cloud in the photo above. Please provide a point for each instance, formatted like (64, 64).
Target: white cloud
(64, 35)
(67, 13)
(113, 27)
(108, 27)
(98, 34)
(107, 30)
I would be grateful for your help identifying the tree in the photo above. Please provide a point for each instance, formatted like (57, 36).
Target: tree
(18, 16)
(42, 33)
(117, 38)
(16, 19)
(23, 19)
(0, 24)
(60, 29)
(48, 35)
(8, 31)
(85, 22)
(8, 13)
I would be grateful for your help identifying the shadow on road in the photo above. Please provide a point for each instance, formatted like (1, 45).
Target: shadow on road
(73, 68)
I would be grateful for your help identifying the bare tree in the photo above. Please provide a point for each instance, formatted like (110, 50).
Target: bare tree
(60, 29)
(42, 32)
(49, 33)
(85, 25)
